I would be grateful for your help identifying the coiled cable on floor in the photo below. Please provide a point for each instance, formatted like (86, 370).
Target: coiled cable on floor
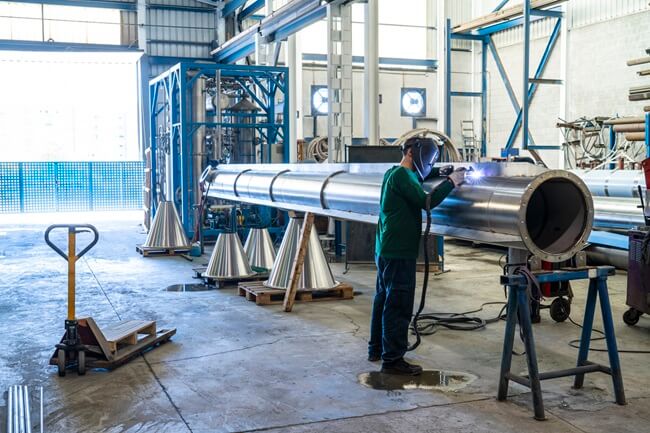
(427, 324)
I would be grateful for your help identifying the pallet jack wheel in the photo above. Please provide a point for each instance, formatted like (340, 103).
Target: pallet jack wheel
(60, 362)
(631, 317)
(81, 362)
(560, 309)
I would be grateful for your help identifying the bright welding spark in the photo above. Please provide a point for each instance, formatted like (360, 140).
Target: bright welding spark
(475, 174)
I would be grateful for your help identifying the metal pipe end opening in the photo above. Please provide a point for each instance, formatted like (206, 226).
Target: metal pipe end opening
(556, 215)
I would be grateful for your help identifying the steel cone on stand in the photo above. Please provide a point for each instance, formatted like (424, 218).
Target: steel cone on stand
(166, 230)
(316, 273)
(228, 260)
(259, 250)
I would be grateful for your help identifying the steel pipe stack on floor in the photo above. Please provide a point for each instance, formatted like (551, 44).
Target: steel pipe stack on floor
(547, 212)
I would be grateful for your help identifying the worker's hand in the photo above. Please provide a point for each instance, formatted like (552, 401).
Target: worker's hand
(446, 170)
(457, 177)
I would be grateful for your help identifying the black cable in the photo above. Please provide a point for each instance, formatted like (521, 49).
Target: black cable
(576, 343)
(428, 324)
(433, 321)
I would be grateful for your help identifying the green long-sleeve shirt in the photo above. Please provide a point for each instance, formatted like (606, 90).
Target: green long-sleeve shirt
(400, 217)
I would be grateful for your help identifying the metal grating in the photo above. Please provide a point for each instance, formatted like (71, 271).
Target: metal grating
(70, 186)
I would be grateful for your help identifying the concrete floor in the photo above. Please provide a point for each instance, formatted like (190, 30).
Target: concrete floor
(235, 367)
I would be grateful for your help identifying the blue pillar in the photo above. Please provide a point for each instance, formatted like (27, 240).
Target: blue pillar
(612, 144)
(647, 134)
(484, 98)
(526, 77)
(448, 79)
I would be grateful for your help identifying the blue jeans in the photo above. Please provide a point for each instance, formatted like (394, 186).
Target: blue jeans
(392, 308)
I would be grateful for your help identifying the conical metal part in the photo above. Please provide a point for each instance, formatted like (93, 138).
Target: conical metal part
(259, 249)
(166, 230)
(316, 272)
(228, 260)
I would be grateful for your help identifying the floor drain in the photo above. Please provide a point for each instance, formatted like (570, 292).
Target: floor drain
(189, 288)
(428, 380)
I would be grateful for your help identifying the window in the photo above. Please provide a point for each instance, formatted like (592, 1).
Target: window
(319, 101)
(414, 102)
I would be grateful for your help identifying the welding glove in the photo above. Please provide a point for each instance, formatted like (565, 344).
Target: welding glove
(446, 170)
(457, 177)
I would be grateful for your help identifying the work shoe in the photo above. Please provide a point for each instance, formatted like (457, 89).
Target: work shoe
(374, 358)
(401, 367)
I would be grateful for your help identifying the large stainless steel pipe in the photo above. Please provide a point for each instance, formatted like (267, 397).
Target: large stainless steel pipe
(613, 183)
(547, 212)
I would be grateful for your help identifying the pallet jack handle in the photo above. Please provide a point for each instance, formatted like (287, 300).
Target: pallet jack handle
(71, 257)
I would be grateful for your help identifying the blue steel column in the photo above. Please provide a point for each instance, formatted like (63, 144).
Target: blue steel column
(612, 144)
(183, 150)
(647, 134)
(285, 117)
(484, 97)
(526, 72)
(153, 99)
(447, 89)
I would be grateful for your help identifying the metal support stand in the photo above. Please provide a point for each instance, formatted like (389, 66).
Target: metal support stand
(518, 311)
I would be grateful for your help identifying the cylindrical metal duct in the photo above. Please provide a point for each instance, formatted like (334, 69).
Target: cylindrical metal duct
(549, 213)
(607, 256)
(616, 213)
(613, 183)
(243, 151)
(199, 155)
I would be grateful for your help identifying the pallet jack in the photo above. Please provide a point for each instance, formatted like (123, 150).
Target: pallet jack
(84, 344)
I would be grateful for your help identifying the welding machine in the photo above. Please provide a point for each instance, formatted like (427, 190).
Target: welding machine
(638, 273)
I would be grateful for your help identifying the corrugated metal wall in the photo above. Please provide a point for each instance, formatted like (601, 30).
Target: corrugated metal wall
(180, 33)
(579, 13)
(585, 12)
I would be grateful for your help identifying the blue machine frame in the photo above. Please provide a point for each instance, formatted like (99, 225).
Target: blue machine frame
(263, 84)
(484, 36)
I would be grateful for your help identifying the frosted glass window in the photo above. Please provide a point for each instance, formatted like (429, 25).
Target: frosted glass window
(402, 30)
(20, 21)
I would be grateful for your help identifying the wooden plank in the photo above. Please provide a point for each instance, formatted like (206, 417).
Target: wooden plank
(644, 72)
(624, 120)
(127, 332)
(639, 61)
(646, 108)
(503, 15)
(299, 260)
(639, 96)
(632, 127)
(635, 136)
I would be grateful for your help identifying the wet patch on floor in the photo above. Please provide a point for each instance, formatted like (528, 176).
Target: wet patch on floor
(189, 288)
(437, 380)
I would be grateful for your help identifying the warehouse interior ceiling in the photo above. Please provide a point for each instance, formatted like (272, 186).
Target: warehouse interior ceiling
(59, 106)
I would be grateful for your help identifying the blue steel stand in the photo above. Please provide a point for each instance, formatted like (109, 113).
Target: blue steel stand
(519, 311)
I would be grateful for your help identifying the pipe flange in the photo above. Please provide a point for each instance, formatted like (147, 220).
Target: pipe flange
(586, 229)
(234, 184)
(280, 173)
(322, 188)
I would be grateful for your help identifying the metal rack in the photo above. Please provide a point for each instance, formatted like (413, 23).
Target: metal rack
(481, 30)
(187, 134)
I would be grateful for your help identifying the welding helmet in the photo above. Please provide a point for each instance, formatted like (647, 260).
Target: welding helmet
(425, 154)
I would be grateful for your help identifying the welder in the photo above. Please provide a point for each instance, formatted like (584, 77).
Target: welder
(396, 249)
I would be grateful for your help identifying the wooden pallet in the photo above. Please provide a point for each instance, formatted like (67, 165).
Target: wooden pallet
(150, 251)
(262, 295)
(227, 283)
(127, 333)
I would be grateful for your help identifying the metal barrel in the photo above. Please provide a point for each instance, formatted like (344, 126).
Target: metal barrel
(547, 212)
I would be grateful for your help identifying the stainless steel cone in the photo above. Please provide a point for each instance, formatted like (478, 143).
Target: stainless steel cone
(259, 249)
(228, 260)
(316, 272)
(166, 230)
